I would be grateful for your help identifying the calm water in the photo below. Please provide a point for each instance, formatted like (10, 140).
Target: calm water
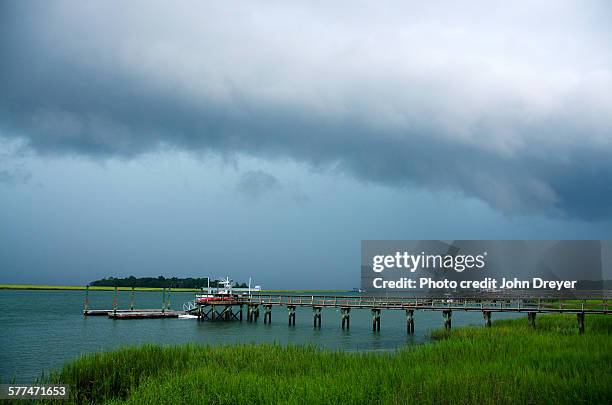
(40, 330)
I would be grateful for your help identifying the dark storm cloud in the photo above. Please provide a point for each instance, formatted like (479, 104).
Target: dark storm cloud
(257, 183)
(12, 169)
(466, 99)
(14, 176)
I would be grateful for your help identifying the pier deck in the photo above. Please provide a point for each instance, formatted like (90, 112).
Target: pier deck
(496, 303)
(579, 303)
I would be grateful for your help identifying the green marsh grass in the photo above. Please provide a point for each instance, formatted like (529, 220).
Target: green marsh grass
(507, 363)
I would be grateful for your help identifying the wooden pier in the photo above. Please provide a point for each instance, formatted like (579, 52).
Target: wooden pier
(580, 303)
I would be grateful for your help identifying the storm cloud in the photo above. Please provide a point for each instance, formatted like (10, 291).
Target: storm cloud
(503, 102)
(257, 183)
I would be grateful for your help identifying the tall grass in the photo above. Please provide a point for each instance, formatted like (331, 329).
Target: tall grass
(508, 363)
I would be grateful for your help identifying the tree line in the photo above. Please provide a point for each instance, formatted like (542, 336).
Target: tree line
(160, 282)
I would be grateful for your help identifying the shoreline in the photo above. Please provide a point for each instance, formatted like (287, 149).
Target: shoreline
(141, 289)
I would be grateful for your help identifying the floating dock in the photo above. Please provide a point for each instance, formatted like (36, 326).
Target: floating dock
(124, 313)
(144, 314)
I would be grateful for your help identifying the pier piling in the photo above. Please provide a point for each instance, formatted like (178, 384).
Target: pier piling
(487, 317)
(291, 309)
(253, 312)
(317, 316)
(254, 308)
(531, 317)
(115, 302)
(376, 319)
(132, 299)
(410, 321)
(86, 303)
(580, 316)
(213, 313)
(268, 314)
(448, 316)
(346, 318)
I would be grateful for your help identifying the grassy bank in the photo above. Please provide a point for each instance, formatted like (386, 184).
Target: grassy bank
(98, 288)
(508, 363)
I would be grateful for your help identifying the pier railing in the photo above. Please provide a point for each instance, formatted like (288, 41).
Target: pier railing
(583, 301)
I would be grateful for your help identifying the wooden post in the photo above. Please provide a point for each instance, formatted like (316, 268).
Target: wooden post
(240, 312)
(346, 318)
(168, 298)
(410, 321)
(163, 300)
(86, 303)
(447, 314)
(487, 317)
(317, 316)
(580, 316)
(376, 319)
(531, 317)
(132, 300)
(268, 314)
(115, 301)
(250, 312)
(291, 309)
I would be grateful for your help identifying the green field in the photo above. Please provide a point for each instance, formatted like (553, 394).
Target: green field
(507, 363)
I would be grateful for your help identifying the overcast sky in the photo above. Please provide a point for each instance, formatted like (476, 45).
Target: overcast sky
(266, 139)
